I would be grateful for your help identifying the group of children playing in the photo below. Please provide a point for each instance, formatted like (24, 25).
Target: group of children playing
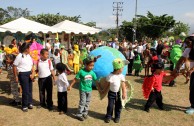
(86, 76)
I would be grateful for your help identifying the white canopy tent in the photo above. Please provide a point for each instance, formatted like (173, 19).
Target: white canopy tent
(24, 25)
(73, 27)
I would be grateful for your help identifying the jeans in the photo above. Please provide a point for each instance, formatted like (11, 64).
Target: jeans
(26, 84)
(45, 84)
(84, 103)
(113, 100)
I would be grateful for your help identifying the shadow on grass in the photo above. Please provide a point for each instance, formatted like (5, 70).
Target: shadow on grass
(138, 104)
(139, 80)
(5, 87)
(73, 111)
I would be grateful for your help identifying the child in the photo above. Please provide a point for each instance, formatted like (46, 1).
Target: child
(76, 56)
(86, 76)
(64, 55)
(153, 60)
(115, 80)
(14, 85)
(137, 63)
(56, 58)
(62, 84)
(156, 87)
(146, 54)
(45, 70)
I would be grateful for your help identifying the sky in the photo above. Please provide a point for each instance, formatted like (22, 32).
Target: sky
(101, 11)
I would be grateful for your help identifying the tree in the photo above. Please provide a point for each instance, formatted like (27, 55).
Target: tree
(148, 26)
(180, 27)
(154, 26)
(52, 19)
(91, 24)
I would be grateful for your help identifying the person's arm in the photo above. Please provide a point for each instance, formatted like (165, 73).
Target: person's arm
(123, 90)
(15, 73)
(72, 83)
(178, 65)
(53, 75)
(33, 72)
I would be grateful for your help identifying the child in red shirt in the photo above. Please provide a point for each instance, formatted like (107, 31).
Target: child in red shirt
(155, 94)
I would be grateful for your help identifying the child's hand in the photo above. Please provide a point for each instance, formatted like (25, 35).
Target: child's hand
(124, 96)
(16, 79)
(69, 88)
(32, 77)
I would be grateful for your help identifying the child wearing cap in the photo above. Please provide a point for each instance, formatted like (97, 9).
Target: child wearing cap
(86, 77)
(115, 81)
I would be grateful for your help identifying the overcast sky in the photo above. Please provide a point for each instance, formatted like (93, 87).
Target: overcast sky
(101, 11)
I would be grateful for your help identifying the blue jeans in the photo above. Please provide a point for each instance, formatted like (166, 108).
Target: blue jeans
(84, 103)
(113, 99)
(26, 84)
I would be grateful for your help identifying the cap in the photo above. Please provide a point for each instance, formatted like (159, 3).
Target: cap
(119, 63)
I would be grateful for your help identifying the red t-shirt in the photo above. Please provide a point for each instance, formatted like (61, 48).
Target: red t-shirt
(158, 81)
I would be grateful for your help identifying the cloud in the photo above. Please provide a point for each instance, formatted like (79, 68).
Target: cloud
(189, 17)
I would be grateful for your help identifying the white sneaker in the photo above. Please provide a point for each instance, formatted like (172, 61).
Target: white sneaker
(190, 111)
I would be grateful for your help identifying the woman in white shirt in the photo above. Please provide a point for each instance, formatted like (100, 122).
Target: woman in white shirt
(188, 53)
(23, 65)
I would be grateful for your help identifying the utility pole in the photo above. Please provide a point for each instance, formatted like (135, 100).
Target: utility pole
(135, 23)
(117, 11)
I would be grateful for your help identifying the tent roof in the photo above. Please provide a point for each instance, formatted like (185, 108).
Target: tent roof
(24, 25)
(70, 26)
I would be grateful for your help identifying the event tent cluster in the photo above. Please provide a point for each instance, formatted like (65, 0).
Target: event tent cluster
(25, 25)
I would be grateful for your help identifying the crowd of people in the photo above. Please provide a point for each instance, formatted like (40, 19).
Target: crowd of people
(56, 61)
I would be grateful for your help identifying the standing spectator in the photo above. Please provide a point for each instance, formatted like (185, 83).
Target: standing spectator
(159, 49)
(130, 59)
(89, 46)
(48, 46)
(23, 65)
(140, 52)
(56, 45)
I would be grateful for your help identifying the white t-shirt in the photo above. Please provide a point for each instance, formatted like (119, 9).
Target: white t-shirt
(44, 70)
(140, 49)
(24, 64)
(2, 55)
(125, 44)
(132, 55)
(115, 81)
(89, 47)
(62, 83)
(186, 55)
(133, 46)
(56, 59)
(48, 46)
(56, 46)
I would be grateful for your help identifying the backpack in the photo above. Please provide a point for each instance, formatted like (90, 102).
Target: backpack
(49, 62)
(148, 85)
(175, 54)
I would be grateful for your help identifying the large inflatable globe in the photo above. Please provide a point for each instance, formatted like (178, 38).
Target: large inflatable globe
(103, 66)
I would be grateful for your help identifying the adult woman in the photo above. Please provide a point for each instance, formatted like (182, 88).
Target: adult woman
(188, 53)
(23, 65)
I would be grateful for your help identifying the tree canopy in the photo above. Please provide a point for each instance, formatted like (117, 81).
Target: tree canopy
(150, 26)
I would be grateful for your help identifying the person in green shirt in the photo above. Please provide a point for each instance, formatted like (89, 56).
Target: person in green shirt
(86, 77)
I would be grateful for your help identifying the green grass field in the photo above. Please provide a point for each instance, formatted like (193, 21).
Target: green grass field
(176, 100)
